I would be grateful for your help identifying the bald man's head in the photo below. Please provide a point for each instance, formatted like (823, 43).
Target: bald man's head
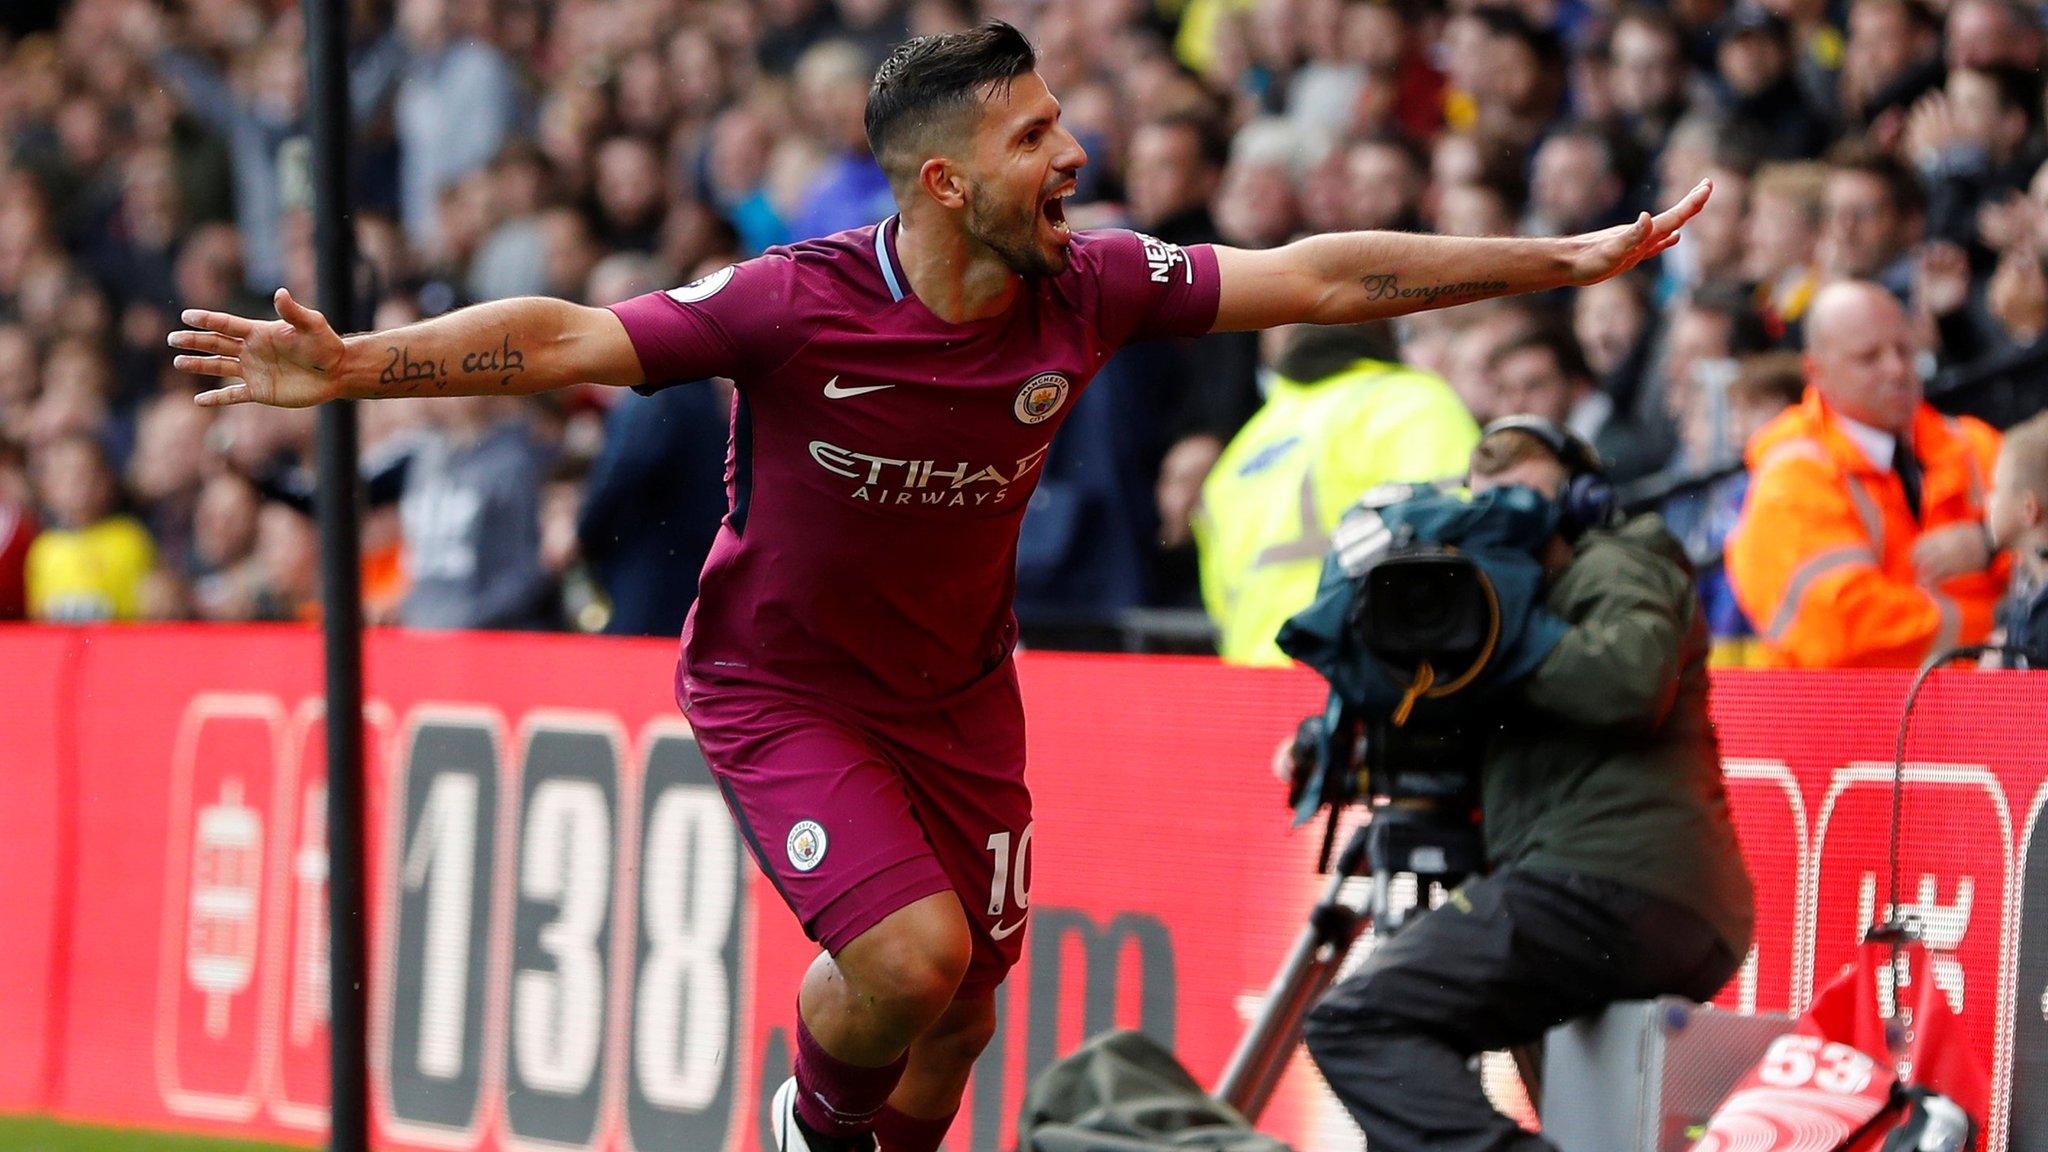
(1860, 355)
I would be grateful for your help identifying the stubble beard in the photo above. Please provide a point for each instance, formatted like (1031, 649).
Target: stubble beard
(1014, 241)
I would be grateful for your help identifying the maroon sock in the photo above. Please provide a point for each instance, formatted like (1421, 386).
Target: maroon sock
(836, 1099)
(901, 1133)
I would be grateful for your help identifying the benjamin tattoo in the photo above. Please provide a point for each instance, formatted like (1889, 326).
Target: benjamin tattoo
(1388, 286)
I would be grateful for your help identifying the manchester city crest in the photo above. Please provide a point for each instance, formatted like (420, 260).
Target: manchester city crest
(806, 845)
(1041, 397)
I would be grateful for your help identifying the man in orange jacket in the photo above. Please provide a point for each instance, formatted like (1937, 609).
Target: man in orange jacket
(1863, 541)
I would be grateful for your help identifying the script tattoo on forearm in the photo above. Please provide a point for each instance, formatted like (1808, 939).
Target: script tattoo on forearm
(403, 375)
(504, 361)
(1387, 286)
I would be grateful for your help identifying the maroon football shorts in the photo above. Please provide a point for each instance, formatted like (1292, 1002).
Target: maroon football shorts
(854, 817)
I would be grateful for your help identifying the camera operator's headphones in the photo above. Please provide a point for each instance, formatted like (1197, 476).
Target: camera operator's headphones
(1587, 499)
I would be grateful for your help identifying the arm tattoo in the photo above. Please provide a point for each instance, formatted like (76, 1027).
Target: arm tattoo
(403, 375)
(504, 361)
(1388, 286)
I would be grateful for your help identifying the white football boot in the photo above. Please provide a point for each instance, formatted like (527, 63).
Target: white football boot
(789, 1135)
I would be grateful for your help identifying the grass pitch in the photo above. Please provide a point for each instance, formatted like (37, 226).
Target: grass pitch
(39, 1134)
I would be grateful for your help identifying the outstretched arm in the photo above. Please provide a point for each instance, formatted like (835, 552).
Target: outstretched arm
(506, 347)
(1348, 277)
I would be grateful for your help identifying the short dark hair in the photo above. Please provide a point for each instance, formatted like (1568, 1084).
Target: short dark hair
(1920, 16)
(1407, 149)
(1545, 45)
(1212, 142)
(1563, 348)
(1656, 19)
(1769, 378)
(1902, 187)
(1610, 153)
(934, 77)
(1735, 303)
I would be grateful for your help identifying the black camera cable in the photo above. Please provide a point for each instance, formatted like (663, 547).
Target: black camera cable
(1897, 929)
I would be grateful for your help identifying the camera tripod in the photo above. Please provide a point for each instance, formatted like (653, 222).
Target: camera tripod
(1414, 838)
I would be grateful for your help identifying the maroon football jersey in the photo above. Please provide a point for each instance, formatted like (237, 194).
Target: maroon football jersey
(881, 458)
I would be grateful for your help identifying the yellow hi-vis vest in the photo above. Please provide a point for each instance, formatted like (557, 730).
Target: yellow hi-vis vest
(1268, 506)
(81, 575)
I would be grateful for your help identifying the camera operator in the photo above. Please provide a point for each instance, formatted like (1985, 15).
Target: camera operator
(1614, 868)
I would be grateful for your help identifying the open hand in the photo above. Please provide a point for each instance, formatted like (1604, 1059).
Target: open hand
(2017, 296)
(1602, 255)
(1931, 129)
(1942, 278)
(289, 362)
(2009, 223)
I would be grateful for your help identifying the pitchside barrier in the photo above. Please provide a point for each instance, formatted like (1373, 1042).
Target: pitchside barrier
(571, 949)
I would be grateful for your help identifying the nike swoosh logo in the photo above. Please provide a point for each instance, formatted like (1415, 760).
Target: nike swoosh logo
(834, 392)
(1005, 931)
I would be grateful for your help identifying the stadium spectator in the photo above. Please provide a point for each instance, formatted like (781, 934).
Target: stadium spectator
(1612, 324)
(1341, 417)
(18, 528)
(1991, 34)
(90, 560)
(257, 111)
(632, 194)
(288, 562)
(1782, 241)
(471, 512)
(1993, 358)
(1544, 374)
(849, 189)
(1872, 213)
(1703, 335)
(225, 578)
(1575, 185)
(1475, 333)
(20, 379)
(1519, 88)
(1383, 183)
(1647, 75)
(652, 503)
(1766, 107)
(1476, 209)
(1973, 143)
(166, 471)
(735, 177)
(1714, 247)
(1891, 57)
(1863, 542)
(1209, 385)
(1704, 500)
(2019, 524)
(456, 103)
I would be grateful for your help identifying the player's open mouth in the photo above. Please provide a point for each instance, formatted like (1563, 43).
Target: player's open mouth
(1055, 210)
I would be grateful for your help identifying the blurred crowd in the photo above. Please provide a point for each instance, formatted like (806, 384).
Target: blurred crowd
(153, 157)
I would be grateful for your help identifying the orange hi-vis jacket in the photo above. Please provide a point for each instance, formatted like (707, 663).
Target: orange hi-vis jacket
(1822, 558)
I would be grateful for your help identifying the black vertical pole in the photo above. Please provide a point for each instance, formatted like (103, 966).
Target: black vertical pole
(340, 588)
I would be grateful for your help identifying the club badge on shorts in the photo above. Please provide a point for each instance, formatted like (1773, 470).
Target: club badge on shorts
(806, 845)
(1041, 396)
